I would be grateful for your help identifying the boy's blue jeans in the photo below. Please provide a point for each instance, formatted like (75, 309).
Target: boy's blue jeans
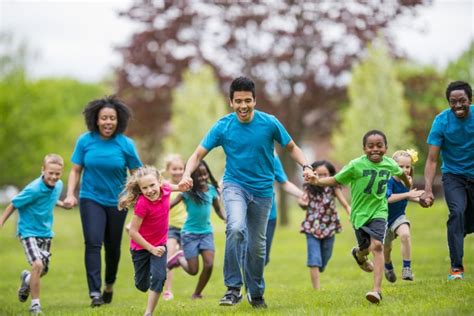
(459, 195)
(247, 217)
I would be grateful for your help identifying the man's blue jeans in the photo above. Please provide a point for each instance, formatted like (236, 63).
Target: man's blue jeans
(247, 217)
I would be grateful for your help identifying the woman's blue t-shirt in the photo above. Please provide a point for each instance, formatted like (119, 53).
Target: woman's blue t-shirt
(249, 150)
(105, 163)
(198, 220)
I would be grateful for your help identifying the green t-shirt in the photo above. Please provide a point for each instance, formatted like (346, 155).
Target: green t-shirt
(368, 186)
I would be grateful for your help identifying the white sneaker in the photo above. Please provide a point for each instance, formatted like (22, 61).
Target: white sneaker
(374, 297)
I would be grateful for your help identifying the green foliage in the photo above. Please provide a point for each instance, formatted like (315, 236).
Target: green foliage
(376, 102)
(197, 105)
(38, 117)
(463, 67)
(288, 287)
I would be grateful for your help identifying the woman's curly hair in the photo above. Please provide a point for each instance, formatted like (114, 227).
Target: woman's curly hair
(91, 113)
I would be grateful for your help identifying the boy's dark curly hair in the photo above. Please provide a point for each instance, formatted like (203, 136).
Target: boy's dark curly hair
(91, 113)
(314, 189)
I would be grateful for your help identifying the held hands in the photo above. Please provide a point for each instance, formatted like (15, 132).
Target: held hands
(158, 251)
(415, 193)
(69, 202)
(311, 177)
(426, 199)
(185, 184)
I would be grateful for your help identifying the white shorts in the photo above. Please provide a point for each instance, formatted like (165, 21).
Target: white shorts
(391, 235)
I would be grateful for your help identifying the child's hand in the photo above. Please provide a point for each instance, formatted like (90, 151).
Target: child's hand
(158, 251)
(185, 184)
(311, 178)
(426, 199)
(70, 202)
(415, 193)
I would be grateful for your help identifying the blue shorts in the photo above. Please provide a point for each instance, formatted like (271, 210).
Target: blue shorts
(150, 270)
(174, 233)
(193, 244)
(319, 251)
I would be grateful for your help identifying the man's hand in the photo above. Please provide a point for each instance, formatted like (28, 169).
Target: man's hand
(185, 184)
(427, 199)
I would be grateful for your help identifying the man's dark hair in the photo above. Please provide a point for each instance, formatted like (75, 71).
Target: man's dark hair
(91, 113)
(241, 84)
(459, 85)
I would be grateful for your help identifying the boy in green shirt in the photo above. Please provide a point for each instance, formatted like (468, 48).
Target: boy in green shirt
(368, 176)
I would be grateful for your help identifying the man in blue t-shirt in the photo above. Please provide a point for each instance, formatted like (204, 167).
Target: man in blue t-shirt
(247, 137)
(452, 135)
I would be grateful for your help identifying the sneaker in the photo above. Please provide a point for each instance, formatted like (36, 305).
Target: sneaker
(196, 296)
(256, 302)
(97, 301)
(231, 297)
(390, 275)
(456, 274)
(36, 310)
(24, 289)
(366, 264)
(168, 295)
(107, 297)
(173, 262)
(374, 297)
(407, 274)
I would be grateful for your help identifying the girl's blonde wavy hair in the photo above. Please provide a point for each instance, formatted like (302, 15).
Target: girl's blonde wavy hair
(131, 192)
(410, 153)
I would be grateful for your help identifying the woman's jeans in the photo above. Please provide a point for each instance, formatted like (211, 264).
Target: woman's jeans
(247, 217)
(101, 225)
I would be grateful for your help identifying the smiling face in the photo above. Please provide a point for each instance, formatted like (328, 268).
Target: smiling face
(176, 170)
(404, 162)
(202, 176)
(150, 187)
(52, 172)
(459, 103)
(107, 122)
(243, 104)
(375, 147)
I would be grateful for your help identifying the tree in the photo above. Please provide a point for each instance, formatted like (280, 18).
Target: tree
(298, 52)
(463, 67)
(376, 102)
(197, 103)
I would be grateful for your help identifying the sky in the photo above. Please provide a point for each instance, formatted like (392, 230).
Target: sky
(83, 48)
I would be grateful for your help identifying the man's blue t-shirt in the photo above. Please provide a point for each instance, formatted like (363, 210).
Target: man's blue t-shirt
(105, 163)
(455, 137)
(35, 204)
(198, 220)
(249, 150)
(280, 177)
(396, 209)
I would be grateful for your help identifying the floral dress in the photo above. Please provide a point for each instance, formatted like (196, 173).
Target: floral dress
(322, 220)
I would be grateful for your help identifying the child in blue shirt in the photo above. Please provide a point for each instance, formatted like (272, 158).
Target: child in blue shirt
(35, 204)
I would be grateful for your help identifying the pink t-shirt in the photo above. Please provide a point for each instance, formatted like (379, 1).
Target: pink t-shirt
(155, 215)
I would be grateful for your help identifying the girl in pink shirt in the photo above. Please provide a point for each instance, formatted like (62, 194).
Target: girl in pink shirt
(148, 230)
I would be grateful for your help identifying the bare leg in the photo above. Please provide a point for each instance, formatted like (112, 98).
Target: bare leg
(377, 250)
(36, 270)
(207, 263)
(404, 232)
(153, 298)
(314, 272)
(172, 246)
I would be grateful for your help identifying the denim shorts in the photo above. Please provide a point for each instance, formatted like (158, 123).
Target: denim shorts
(174, 233)
(375, 229)
(193, 244)
(319, 251)
(150, 270)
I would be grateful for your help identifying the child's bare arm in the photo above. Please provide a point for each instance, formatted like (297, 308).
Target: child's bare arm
(138, 238)
(176, 200)
(6, 214)
(342, 200)
(412, 195)
(313, 179)
(178, 187)
(217, 208)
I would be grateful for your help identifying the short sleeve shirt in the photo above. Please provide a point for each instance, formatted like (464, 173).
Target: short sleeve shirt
(368, 182)
(249, 150)
(154, 228)
(105, 163)
(396, 209)
(280, 177)
(177, 213)
(455, 137)
(35, 204)
(199, 214)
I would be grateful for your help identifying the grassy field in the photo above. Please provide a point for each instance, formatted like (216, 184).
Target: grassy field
(289, 292)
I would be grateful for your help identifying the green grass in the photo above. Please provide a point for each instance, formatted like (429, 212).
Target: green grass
(288, 287)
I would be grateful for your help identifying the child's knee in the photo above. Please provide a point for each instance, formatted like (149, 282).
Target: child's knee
(37, 267)
(405, 237)
(376, 246)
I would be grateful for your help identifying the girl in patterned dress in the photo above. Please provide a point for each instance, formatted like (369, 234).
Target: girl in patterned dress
(322, 221)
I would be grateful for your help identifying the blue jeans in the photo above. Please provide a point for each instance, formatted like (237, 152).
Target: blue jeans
(459, 195)
(319, 251)
(247, 217)
(101, 225)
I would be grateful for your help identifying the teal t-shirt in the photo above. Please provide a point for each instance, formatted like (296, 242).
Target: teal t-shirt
(35, 204)
(368, 182)
(249, 150)
(455, 137)
(105, 163)
(280, 177)
(198, 220)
